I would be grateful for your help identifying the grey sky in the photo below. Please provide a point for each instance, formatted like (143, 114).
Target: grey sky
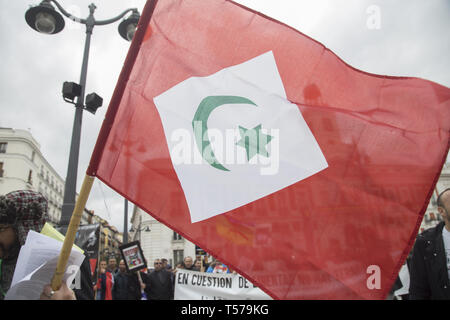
(413, 39)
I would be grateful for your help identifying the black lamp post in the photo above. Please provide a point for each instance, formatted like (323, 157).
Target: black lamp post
(139, 229)
(45, 19)
(147, 229)
(125, 222)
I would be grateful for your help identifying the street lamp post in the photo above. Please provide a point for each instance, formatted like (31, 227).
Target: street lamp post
(125, 223)
(45, 19)
(139, 229)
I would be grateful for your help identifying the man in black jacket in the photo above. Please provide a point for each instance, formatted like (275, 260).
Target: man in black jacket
(126, 285)
(430, 263)
(86, 291)
(159, 285)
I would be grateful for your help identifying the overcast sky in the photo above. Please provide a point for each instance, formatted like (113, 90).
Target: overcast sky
(391, 37)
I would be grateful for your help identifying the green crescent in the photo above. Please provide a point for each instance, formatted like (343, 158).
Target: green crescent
(200, 126)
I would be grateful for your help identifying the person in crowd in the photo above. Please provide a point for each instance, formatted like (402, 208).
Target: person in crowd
(218, 267)
(159, 283)
(20, 212)
(166, 264)
(204, 260)
(112, 265)
(121, 283)
(400, 288)
(86, 292)
(198, 266)
(179, 266)
(188, 263)
(126, 287)
(64, 293)
(168, 267)
(104, 284)
(430, 262)
(141, 278)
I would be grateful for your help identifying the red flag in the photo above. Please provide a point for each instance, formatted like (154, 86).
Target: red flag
(341, 231)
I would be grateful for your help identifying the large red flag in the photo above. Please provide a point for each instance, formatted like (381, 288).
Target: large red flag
(358, 154)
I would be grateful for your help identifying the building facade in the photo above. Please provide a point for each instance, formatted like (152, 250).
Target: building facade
(157, 240)
(432, 216)
(23, 167)
(110, 240)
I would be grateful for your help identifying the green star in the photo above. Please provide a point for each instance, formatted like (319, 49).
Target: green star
(254, 141)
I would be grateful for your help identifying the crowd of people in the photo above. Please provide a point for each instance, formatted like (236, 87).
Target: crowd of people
(25, 210)
(158, 283)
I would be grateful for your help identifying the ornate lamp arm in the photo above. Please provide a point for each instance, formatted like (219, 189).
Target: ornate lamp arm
(68, 15)
(108, 21)
(97, 23)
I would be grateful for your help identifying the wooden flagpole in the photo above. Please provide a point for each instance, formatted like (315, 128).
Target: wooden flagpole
(72, 231)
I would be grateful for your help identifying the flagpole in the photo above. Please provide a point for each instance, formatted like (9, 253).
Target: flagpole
(72, 231)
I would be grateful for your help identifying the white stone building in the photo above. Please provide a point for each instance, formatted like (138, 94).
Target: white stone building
(158, 241)
(432, 216)
(22, 166)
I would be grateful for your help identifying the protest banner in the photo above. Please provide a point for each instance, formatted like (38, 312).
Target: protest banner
(193, 285)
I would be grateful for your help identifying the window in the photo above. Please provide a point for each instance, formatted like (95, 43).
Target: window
(176, 236)
(1, 169)
(30, 177)
(3, 147)
(178, 256)
(33, 154)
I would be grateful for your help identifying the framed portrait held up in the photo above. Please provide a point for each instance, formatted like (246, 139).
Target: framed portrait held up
(133, 256)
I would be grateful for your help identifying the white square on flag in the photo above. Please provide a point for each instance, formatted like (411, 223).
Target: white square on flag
(259, 140)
